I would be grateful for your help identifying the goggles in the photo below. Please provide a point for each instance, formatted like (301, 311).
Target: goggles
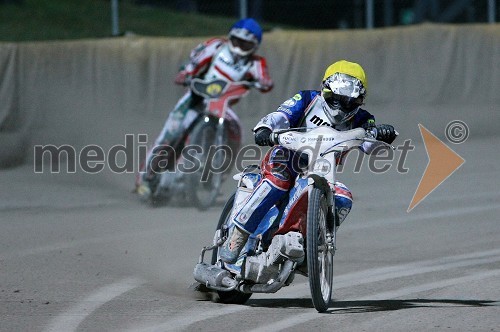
(347, 104)
(242, 44)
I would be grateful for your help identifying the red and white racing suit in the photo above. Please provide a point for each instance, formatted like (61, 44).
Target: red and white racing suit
(209, 60)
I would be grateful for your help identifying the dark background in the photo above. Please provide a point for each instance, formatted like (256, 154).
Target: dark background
(345, 14)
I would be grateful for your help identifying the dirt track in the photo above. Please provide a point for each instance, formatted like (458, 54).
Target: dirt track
(79, 252)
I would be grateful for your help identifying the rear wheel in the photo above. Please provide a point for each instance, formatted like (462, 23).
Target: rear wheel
(203, 184)
(234, 296)
(319, 252)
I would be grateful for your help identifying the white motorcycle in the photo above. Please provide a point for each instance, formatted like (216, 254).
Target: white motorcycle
(304, 225)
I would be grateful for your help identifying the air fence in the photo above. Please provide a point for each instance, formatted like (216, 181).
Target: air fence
(95, 92)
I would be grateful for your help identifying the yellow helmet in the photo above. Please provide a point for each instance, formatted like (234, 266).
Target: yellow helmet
(343, 91)
(350, 68)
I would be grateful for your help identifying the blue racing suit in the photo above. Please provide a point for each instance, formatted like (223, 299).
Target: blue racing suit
(280, 166)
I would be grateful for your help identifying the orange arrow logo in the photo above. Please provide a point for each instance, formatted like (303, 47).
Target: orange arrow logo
(443, 162)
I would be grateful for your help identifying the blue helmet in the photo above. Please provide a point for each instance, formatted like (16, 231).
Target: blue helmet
(245, 36)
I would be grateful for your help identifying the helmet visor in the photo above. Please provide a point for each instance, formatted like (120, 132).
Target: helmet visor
(347, 104)
(242, 44)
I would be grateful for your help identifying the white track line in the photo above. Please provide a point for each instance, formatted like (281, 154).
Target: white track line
(432, 285)
(343, 281)
(302, 318)
(354, 226)
(412, 217)
(76, 243)
(183, 321)
(405, 270)
(70, 319)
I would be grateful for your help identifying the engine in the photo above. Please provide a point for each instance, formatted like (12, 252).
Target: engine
(265, 267)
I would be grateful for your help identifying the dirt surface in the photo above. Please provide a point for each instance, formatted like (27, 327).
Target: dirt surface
(80, 252)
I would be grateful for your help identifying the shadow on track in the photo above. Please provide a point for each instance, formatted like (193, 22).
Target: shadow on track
(349, 307)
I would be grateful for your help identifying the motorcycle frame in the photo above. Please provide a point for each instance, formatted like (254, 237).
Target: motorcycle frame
(218, 95)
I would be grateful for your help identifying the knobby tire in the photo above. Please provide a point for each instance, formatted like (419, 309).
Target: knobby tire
(319, 260)
(203, 193)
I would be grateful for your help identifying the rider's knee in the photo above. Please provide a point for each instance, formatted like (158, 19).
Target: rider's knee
(276, 168)
(278, 174)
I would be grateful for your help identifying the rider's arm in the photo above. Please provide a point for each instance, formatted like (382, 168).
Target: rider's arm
(199, 60)
(272, 121)
(288, 114)
(259, 73)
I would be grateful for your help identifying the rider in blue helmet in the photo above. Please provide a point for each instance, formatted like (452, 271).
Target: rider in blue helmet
(245, 37)
(232, 58)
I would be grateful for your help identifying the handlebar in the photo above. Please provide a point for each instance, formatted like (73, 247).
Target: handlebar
(274, 138)
(369, 136)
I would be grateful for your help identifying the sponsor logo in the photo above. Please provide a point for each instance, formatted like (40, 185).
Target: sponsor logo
(297, 97)
(214, 89)
(243, 217)
(288, 139)
(289, 103)
(322, 167)
(321, 139)
(235, 66)
(316, 120)
(284, 110)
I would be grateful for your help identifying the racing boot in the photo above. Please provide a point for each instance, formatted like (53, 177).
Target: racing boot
(231, 249)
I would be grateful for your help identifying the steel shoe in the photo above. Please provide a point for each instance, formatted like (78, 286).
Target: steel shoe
(144, 192)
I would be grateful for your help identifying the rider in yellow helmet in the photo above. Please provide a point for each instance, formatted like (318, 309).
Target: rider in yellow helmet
(343, 90)
(338, 105)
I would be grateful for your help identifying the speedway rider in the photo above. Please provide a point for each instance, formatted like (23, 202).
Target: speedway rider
(231, 59)
(337, 105)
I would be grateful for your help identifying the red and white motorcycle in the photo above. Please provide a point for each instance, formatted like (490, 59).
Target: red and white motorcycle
(304, 240)
(199, 179)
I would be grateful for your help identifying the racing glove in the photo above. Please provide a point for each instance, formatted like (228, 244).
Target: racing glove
(263, 136)
(182, 78)
(386, 133)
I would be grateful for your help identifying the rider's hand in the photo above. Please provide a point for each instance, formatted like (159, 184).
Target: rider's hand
(257, 85)
(263, 137)
(386, 133)
(182, 78)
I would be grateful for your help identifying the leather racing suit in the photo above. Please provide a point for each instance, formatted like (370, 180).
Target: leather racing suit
(279, 166)
(209, 60)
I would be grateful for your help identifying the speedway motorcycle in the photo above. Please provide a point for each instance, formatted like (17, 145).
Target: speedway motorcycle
(304, 225)
(191, 181)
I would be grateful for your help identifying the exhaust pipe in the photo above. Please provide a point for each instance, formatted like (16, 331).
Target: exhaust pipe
(272, 287)
(214, 277)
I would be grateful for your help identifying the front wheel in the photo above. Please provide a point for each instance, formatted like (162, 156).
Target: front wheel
(319, 251)
(204, 183)
(234, 296)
